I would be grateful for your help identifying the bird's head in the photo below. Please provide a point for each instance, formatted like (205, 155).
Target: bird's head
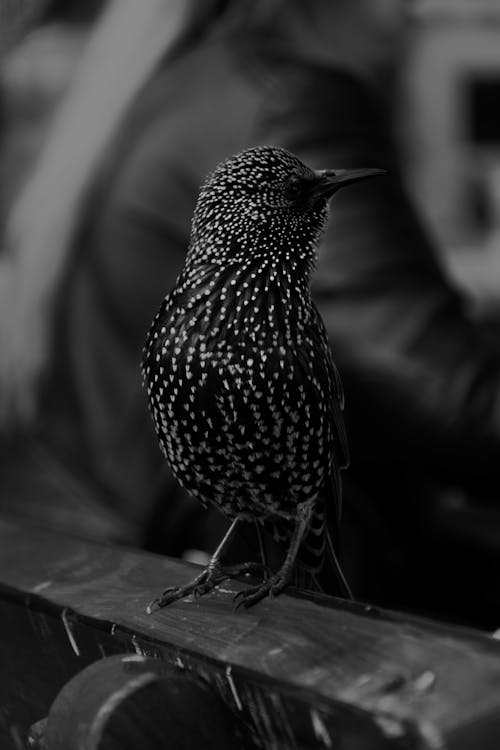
(263, 200)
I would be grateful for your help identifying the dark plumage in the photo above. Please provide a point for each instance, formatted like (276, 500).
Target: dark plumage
(245, 397)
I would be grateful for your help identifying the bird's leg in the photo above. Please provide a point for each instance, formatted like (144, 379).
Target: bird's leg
(275, 584)
(262, 550)
(210, 577)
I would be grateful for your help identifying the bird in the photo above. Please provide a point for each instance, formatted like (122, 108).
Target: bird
(244, 394)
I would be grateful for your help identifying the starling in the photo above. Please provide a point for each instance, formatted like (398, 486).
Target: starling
(245, 397)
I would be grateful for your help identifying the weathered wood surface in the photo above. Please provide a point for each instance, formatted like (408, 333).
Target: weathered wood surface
(132, 702)
(295, 672)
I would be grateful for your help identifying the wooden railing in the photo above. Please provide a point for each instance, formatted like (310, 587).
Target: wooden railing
(81, 662)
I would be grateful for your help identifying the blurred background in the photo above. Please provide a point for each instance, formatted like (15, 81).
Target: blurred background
(111, 114)
(41, 43)
(450, 110)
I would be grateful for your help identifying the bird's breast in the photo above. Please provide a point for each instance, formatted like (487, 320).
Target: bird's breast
(242, 418)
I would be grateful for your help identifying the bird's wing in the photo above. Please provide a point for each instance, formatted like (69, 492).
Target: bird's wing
(319, 550)
(189, 290)
(318, 333)
(334, 394)
(152, 342)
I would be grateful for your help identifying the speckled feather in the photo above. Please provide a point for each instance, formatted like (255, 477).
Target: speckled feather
(245, 397)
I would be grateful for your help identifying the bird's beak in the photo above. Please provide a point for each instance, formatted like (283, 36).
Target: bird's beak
(329, 180)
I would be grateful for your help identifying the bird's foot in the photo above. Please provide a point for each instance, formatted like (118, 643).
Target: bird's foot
(173, 593)
(271, 587)
(208, 579)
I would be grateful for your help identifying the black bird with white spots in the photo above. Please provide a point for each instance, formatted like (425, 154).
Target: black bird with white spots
(245, 397)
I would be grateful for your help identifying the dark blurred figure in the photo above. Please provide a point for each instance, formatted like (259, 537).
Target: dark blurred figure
(46, 473)
(422, 380)
(95, 240)
(40, 47)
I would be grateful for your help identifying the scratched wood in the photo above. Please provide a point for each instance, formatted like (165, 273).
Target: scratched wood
(298, 673)
(132, 702)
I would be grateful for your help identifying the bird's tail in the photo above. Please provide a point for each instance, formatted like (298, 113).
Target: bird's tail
(334, 562)
(318, 566)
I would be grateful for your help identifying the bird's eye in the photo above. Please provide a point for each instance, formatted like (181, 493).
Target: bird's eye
(293, 188)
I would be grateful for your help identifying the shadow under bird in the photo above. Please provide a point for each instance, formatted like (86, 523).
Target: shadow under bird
(244, 394)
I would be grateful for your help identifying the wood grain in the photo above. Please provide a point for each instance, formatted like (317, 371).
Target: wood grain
(297, 672)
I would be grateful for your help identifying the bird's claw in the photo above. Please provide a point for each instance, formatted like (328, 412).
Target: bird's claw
(246, 599)
(250, 596)
(205, 587)
(202, 584)
(211, 577)
(238, 601)
(167, 597)
(152, 606)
